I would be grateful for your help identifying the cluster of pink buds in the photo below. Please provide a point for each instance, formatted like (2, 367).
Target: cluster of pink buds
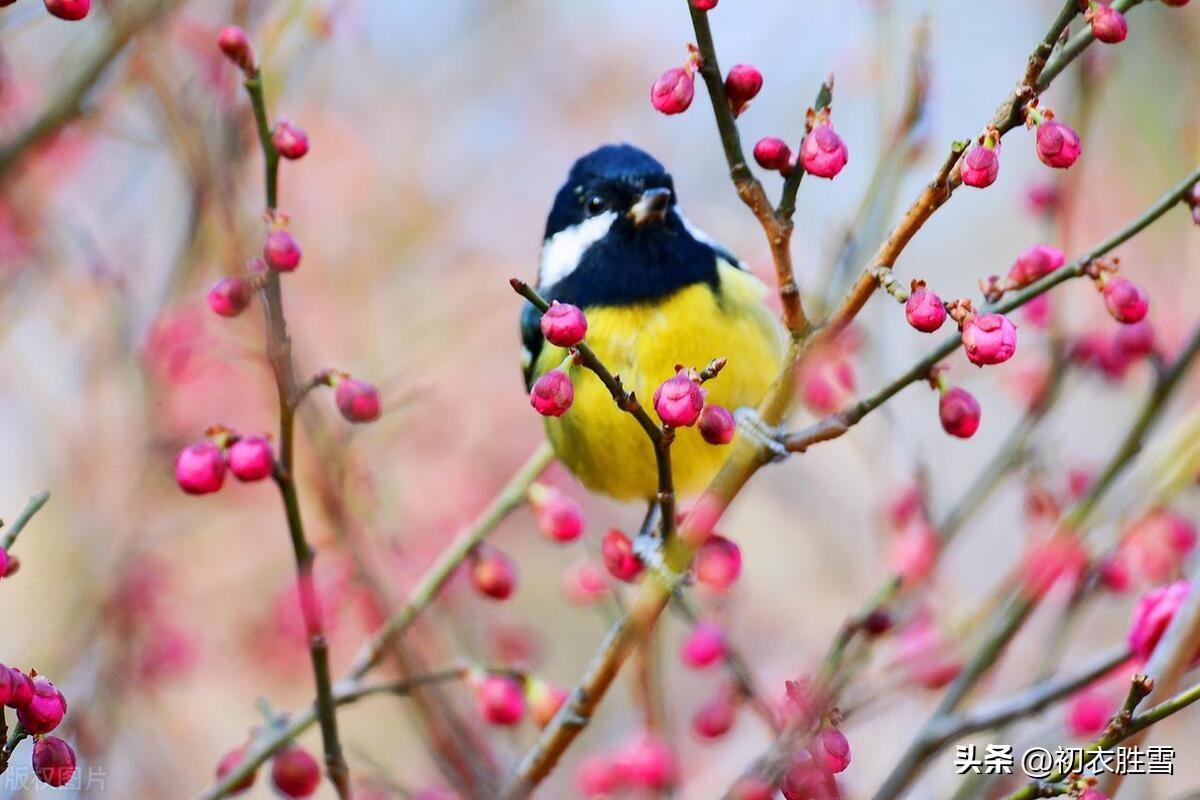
(1108, 24)
(679, 402)
(644, 763)
(40, 707)
(563, 325)
(982, 163)
(742, 84)
(559, 517)
(1057, 144)
(295, 772)
(675, 89)
(811, 775)
(235, 44)
(1112, 353)
(200, 467)
(71, 10)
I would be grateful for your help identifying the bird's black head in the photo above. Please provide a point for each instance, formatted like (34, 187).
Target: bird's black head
(614, 235)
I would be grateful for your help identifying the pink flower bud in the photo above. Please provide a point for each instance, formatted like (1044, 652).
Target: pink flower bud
(357, 400)
(718, 563)
(703, 647)
(742, 84)
(53, 761)
(1125, 300)
(1153, 614)
(959, 412)
(281, 251)
(709, 5)
(585, 584)
(69, 9)
(1092, 793)
(773, 154)
(45, 710)
(914, 553)
(599, 777)
(552, 394)
(558, 516)
(230, 762)
(251, 458)
(831, 751)
(717, 424)
(927, 655)
(200, 468)
(805, 780)
(678, 401)
(617, 551)
(989, 339)
(823, 153)
(229, 296)
(1108, 24)
(493, 573)
(924, 310)
(544, 699)
(290, 141)
(1036, 262)
(1156, 545)
(1135, 340)
(649, 762)
(20, 689)
(499, 699)
(1043, 198)
(1088, 713)
(1050, 560)
(1057, 144)
(564, 325)
(235, 44)
(672, 93)
(1114, 573)
(980, 167)
(716, 717)
(827, 383)
(295, 772)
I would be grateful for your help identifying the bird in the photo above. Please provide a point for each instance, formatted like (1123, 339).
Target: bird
(657, 293)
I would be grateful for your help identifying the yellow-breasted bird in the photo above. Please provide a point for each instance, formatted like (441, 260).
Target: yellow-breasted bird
(656, 293)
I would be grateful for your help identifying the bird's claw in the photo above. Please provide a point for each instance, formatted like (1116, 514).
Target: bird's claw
(768, 438)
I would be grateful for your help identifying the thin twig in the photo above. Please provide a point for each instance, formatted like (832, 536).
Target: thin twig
(32, 506)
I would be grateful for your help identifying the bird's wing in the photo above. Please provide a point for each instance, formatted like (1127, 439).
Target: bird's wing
(531, 339)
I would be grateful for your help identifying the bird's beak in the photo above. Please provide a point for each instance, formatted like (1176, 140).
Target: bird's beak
(652, 205)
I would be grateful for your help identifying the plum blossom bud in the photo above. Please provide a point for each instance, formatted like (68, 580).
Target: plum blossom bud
(563, 325)
(599, 777)
(823, 153)
(585, 584)
(289, 140)
(672, 93)
(980, 166)
(617, 551)
(1153, 614)
(53, 761)
(552, 394)
(1053, 559)
(704, 646)
(959, 412)
(230, 762)
(1057, 144)
(649, 762)
(1125, 300)
(717, 424)
(679, 400)
(493, 573)
(709, 5)
(200, 468)
(558, 516)
(20, 689)
(913, 554)
(805, 780)
(989, 339)
(1135, 340)
(716, 717)
(251, 458)
(499, 699)
(71, 10)
(1088, 713)
(827, 382)
(281, 251)
(1034, 263)
(295, 773)
(229, 296)
(718, 563)
(544, 699)
(1092, 793)
(927, 655)
(357, 400)
(774, 154)
(924, 310)
(1108, 24)
(1043, 198)
(1114, 573)
(47, 708)
(235, 44)
(831, 751)
(742, 84)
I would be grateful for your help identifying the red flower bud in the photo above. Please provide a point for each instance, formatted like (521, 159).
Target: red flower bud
(69, 9)
(742, 84)
(564, 325)
(1125, 300)
(552, 394)
(229, 296)
(831, 751)
(228, 763)
(980, 167)
(1057, 144)
(704, 646)
(717, 424)
(672, 93)
(45, 710)
(200, 468)
(499, 699)
(617, 551)
(20, 689)
(718, 563)
(235, 44)
(1053, 559)
(1108, 24)
(989, 339)
(281, 251)
(251, 458)
(558, 516)
(773, 154)
(648, 762)
(585, 583)
(709, 5)
(295, 772)
(493, 573)
(1036, 262)
(959, 412)
(1088, 713)
(53, 760)
(823, 153)
(290, 141)
(357, 400)
(924, 310)
(679, 400)
(1153, 614)
(716, 717)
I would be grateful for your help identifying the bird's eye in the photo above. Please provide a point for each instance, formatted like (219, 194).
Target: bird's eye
(595, 204)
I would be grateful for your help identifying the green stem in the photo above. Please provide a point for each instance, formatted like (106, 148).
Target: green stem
(32, 506)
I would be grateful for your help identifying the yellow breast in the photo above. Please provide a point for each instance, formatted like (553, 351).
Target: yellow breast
(602, 445)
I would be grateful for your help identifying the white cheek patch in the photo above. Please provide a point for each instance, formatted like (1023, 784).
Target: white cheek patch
(563, 251)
